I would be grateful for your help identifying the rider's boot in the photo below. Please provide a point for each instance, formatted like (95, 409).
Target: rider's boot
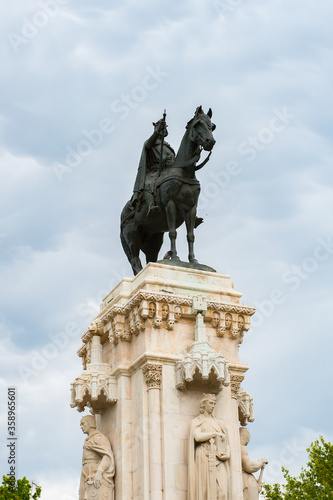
(151, 203)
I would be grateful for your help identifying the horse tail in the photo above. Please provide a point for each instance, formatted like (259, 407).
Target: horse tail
(125, 245)
(127, 214)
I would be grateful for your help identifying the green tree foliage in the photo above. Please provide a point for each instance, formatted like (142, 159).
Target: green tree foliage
(315, 482)
(20, 489)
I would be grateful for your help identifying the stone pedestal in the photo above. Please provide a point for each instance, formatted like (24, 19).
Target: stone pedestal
(162, 340)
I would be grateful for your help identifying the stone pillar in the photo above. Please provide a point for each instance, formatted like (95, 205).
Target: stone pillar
(153, 377)
(235, 458)
(96, 350)
(124, 431)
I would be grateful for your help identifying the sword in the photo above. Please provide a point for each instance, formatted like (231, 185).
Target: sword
(162, 143)
(260, 478)
(212, 468)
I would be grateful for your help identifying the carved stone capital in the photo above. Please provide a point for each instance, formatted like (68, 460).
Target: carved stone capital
(153, 375)
(235, 382)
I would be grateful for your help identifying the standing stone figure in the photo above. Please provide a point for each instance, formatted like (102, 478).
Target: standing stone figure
(151, 165)
(251, 486)
(97, 464)
(208, 455)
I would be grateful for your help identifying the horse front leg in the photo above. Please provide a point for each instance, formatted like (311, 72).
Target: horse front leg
(190, 221)
(170, 212)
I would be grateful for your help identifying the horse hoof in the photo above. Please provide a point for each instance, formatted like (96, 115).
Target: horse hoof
(193, 261)
(175, 257)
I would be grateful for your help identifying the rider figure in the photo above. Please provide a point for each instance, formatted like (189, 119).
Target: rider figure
(150, 167)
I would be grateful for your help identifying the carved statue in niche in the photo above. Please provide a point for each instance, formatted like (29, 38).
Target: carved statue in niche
(97, 478)
(208, 455)
(215, 319)
(251, 486)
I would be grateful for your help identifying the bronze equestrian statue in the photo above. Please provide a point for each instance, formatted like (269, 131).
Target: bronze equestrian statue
(166, 191)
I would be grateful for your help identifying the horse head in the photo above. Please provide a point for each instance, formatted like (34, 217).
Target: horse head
(201, 128)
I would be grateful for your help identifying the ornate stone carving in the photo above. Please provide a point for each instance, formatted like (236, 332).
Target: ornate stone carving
(88, 353)
(226, 326)
(170, 324)
(228, 321)
(205, 364)
(143, 309)
(177, 313)
(221, 331)
(165, 312)
(139, 324)
(215, 319)
(131, 324)
(98, 469)
(208, 455)
(142, 298)
(201, 358)
(118, 329)
(153, 375)
(235, 382)
(231, 308)
(96, 327)
(151, 310)
(112, 335)
(95, 388)
(234, 333)
(157, 322)
(251, 486)
(245, 407)
(240, 328)
(240, 323)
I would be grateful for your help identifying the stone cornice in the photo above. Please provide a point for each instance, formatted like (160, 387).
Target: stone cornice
(168, 298)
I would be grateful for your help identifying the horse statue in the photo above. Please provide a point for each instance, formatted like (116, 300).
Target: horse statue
(176, 192)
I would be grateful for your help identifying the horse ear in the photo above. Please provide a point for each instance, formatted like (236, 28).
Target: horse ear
(198, 110)
(210, 113)
(213, 127)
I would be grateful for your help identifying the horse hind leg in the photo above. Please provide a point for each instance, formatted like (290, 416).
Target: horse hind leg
(190, 222)
(151, 246)
(132, 250)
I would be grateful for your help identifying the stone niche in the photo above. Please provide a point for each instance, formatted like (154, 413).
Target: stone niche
(163, 339)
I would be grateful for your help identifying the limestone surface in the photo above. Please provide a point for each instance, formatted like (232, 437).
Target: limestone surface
(161, 341)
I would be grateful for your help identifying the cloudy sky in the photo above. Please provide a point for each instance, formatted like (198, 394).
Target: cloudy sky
(80, 84)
